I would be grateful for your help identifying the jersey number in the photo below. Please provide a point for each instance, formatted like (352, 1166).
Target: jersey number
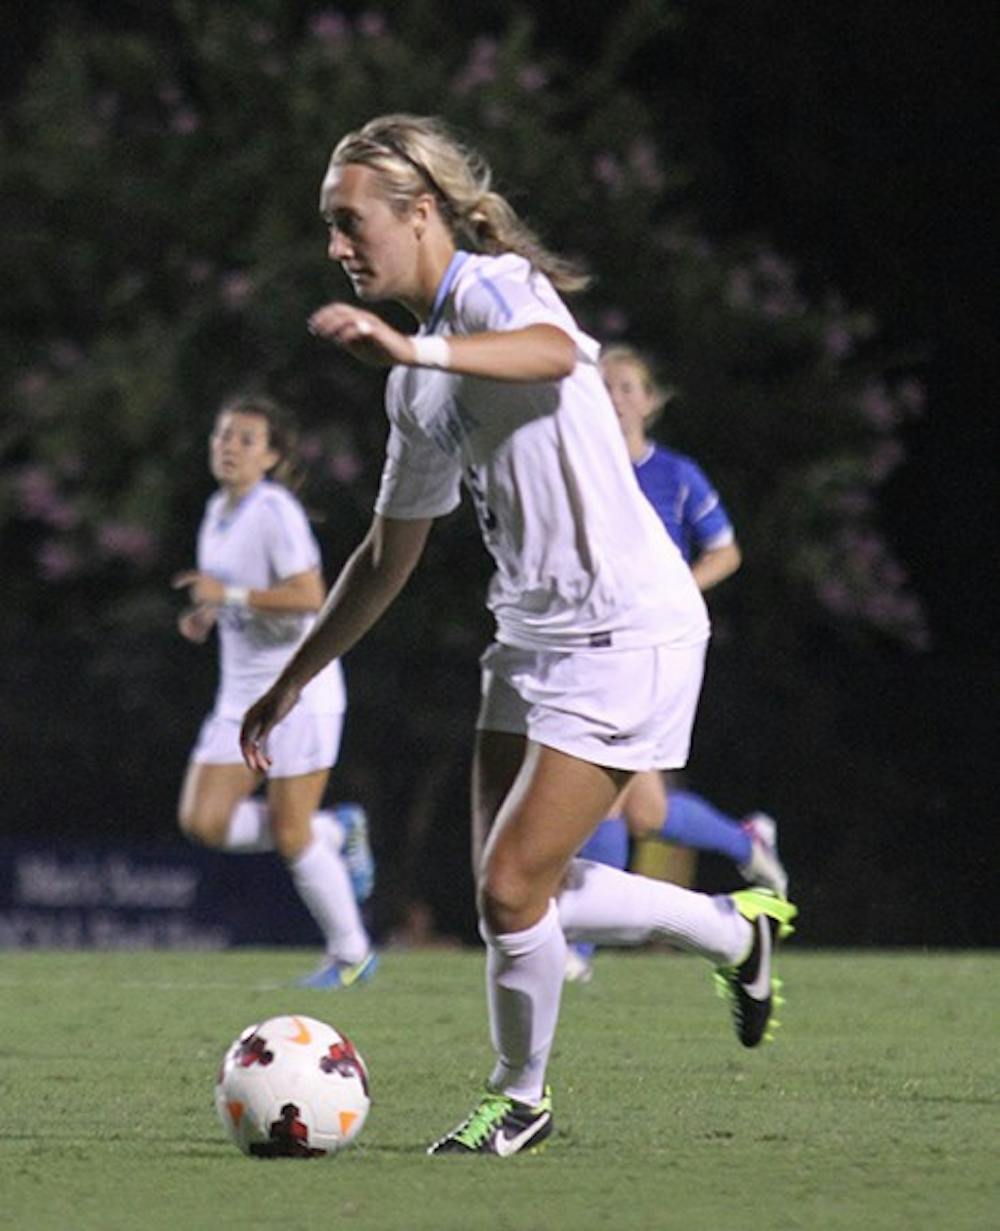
(486, 516)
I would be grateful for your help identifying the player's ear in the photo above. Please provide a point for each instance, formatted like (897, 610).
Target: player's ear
(423, 209)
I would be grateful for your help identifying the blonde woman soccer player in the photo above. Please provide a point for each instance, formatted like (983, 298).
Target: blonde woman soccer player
(695, 518)
(258, 582)
(597, 663)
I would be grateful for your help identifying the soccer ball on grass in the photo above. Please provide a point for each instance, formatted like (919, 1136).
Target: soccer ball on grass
(292, 1087)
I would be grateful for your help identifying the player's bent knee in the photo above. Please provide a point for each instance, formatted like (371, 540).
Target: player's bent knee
(203, 830)
(509, 902)
(289, 845)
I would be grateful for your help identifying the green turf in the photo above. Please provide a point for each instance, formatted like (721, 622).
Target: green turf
(876, 1108)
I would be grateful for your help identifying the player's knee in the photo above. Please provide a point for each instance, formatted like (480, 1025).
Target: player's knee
(290, 839)
(507, 896)
(641, 826)
(202, 828)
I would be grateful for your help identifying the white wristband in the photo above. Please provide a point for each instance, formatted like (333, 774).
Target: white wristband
(236, 596)
(431, 352)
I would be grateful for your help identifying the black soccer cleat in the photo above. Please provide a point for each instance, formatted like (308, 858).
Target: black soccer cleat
(751, 987)
(499, 1125)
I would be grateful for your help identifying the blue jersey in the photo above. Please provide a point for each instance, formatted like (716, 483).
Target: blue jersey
(685, 501)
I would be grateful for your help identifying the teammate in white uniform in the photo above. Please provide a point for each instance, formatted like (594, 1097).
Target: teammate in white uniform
(597, 662)
(259, 583)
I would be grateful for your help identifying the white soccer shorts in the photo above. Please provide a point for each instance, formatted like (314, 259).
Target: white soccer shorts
(623, 709)
(300, 744)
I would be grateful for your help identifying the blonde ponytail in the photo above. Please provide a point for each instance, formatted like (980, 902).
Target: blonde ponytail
(415, 154)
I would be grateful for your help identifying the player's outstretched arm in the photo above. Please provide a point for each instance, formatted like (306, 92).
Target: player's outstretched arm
(535, 353)
(367, 585)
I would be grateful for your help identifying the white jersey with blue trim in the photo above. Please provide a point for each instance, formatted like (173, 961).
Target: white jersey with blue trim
(581, 558)
(259, 542)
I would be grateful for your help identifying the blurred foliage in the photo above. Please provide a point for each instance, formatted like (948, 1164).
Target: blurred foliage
(161, 248)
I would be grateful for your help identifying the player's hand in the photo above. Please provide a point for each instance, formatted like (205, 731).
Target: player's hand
(261, 719)
(202, 589)
(196, 623)
(363, 334)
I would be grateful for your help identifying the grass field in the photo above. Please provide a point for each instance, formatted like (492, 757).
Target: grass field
(876, 1108)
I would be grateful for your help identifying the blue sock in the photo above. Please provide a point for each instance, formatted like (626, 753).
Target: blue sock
(693, 821)
(607, 844)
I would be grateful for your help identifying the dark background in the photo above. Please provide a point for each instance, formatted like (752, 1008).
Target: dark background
(860, 140)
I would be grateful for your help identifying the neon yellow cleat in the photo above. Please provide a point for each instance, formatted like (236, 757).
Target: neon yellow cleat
(751, 987)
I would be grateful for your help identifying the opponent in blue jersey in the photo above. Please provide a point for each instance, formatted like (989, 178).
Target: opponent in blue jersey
(696, 520)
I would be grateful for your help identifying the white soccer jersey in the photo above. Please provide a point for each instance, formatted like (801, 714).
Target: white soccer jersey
(581, 558)
(263, 540)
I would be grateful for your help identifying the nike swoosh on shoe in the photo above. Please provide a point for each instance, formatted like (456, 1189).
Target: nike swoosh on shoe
(760, 988)
(506, 1146)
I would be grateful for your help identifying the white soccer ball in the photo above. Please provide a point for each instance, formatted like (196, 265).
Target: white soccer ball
(292, 1087)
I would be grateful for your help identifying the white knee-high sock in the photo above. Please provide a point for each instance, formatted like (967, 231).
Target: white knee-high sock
(524, 979)
(323, 884)
(326, 826)
(607, 906)
(250, 828)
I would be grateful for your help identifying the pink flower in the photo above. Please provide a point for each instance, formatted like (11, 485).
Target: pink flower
(199, 271)
(837, 341)
(36, 491)
(371, 25)
(57, 561)
(775, 268)
(33, 384)
(62, 515)
(884, 459)
(892, 573)
(236, 289)
(310, 448)
(877, 406)
(911, 396)
(613, 322)
(329, 27)
(862, 548)
(644, 159)
(480, 69)
(185, 121)
(126, 541)
(674, 239)
(739, 289)
(532, 78)
(607, 170)
(344, 466)
(779, 303)
(835, 596)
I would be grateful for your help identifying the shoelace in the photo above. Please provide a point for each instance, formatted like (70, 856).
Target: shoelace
(483, 1120)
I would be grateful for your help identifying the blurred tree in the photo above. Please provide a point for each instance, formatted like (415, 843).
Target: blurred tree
(161, 248)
